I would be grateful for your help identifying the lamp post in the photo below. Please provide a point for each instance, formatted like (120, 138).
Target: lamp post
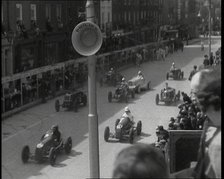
(92, 117)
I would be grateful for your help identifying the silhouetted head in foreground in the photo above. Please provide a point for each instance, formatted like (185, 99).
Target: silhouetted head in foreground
(140, 161)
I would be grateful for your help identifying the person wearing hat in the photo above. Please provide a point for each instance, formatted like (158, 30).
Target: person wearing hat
(162, 133)
(127, 113)
(193, 72)
(206, 61)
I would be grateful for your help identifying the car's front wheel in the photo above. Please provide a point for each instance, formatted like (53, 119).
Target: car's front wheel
(52, 156)
(68, 145)
(25, 154)
(106, 133)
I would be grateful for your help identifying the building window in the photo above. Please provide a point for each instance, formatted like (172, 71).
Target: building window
(58, 10)
(125, 16)
(48, 11)
(19, 12)
(33, 11)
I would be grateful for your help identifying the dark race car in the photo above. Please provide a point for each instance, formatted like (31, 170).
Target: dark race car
(176, 74)
(111, 78)
(121, 94)
(47, 149)
(168, 96)
(123, 130)
(72, 100)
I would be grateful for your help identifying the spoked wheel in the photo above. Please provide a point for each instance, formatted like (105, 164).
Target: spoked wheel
(167, 76)
(157, 99)
(116, 123)
(106, 133)
(182, 75)
(25, 154)
(133, 94)
(75, 105)
(57, 105)
(131, 136)
(139, 127)
(110, 96)
(52, 156)
(148, 86)
(68, 145)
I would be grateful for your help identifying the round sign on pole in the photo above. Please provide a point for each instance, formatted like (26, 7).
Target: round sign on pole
(86, 38)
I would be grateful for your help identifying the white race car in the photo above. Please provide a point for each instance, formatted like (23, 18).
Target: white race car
(139, 83)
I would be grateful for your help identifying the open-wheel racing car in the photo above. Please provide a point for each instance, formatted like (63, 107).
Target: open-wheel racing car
(168, 96)
(47, 149)
(72, 100)
(123, 130)
(111, 78)
(138, 84)
(176, 74)
(121, 94)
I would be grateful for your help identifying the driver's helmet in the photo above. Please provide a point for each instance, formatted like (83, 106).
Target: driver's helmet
(139, 73)
(54, 128)
(126, 109)
(123, 79)
(111, 69)
(173, 64)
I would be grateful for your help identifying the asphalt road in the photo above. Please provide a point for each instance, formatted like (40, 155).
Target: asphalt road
(27, 127)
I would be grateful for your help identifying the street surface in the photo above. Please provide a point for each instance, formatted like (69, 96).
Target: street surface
(27, 127)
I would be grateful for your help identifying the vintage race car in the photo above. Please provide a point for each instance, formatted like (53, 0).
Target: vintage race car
(111, 78)
(121, 94)
(72, 100)
(123, 130)
(47, 149)
(168, 96)
(176, 74)
(138, 84)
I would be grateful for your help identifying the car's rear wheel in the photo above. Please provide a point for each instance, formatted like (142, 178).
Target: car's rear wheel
(178, 95)
(84, 100)
(52, 156)
(131, 136)
(75, 105)
(139, 127)
(182, 75)
(68, 145)
(57, 105)
(132, 94)
(167, 76)
(157, 99)
(110, 96)
(139, 89)
(116, 123)
(148, 86)
(25, 154)
(106, 133)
